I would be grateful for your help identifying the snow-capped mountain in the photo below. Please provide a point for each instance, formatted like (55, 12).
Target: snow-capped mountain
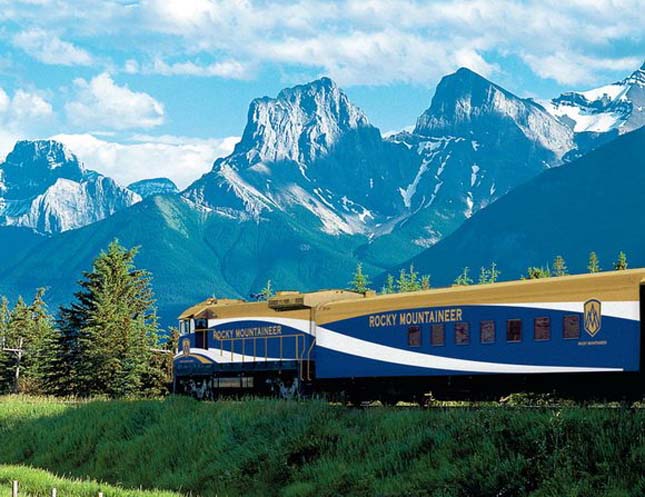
(155, 186)
(475, 143)
(308, 149)
(619, 106)
(45, 187)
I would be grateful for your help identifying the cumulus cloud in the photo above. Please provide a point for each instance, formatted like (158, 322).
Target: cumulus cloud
(50, 49)
(101, 102)
(181, 159)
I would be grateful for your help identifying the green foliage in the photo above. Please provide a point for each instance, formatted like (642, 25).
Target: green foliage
(537, 272)
(488, 274)
(36, 482)
(593, 266)
(464, 279)
(409, 281)
(26, 332)
(360, 281)
(267, 292)
(621, 263)
(389, 286)
(107, 334)
(276, 449)
(559, 266)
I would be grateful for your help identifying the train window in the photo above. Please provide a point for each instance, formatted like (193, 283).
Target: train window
(414, 336)
(462, 333)
(438, 334)
(571, 327)
(201, 324)
(487, 331)
(542, 328)
(514, 330)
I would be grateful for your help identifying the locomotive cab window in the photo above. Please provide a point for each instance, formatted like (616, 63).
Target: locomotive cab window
(462, 333)
(487, 331)
(514, 330)
(438, 336)
(201, 324)
(542, 329)
(571, 327)
(414, 336)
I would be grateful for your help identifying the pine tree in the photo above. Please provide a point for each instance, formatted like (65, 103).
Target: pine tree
(267, 292)
(463, 279)
(621, 263)
(110, 329)
(389, 286)
(360, 281)
(484, 276)
(414, 284)
(536, 272)
(494, 273)
(5, 357)
(402, 282)
(594, 264)
(425, 282)
(39, 337)
(559, 266)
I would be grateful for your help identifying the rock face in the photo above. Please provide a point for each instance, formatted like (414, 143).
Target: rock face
(591, 204)
(45, 187)
(619, 106)
(151, 187)
(313, 153)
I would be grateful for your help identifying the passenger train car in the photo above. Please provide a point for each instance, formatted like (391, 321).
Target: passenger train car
(581, 335)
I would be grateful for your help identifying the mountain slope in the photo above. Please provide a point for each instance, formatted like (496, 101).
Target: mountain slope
(45, 187)
(594, 203)
(155, 186)
(192, 254)
(619, 106)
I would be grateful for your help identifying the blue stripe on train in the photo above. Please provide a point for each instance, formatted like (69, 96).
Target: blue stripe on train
(616, 345)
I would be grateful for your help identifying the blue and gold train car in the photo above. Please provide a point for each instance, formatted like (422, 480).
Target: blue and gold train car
(580, 332)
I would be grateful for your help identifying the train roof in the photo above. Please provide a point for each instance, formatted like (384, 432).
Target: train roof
(608, 285)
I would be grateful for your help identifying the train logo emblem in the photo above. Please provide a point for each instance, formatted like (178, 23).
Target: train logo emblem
(593, 316)
(185, 347)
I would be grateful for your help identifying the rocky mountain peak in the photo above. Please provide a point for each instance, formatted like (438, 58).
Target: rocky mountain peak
(154, 186)
(300, 124)
(34, 165)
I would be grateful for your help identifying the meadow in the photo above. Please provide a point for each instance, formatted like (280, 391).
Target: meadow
(292, 449)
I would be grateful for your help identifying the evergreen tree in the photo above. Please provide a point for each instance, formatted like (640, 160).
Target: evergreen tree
(594, 264)
(559, 266)
(5, 357)
(425, 282)
(484, 276)
(39, 336)
(110, 330)
(535, 273)
(402, 282)
(267, 292)
(494, 273)
(621, 263)
(463, 279)
(360, 281)
(389, 286)
(414, 284)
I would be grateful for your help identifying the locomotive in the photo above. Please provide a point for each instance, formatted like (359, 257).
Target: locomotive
(576, 335)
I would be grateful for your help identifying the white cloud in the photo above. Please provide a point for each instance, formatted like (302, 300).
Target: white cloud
(571, 69)
(229, 69)
(50, 49)
(179, 158)
(101, 102)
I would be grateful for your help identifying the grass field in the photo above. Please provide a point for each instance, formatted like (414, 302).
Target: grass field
(289, 449)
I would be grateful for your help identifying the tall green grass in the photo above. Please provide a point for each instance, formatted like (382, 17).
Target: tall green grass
(39, 483)
(290, 449)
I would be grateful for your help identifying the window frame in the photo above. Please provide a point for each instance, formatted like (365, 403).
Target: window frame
(535, 338)
(564, 320)
(441, 326)
(481, 336)
(467, 324)
(415, 329)
(508, 329)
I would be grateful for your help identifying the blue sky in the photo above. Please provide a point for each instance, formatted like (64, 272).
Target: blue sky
(161, 87)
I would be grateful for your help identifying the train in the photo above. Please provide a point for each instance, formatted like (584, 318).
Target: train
(579, 335)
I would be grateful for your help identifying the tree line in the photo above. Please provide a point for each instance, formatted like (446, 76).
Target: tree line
(411, 281)
(106, 342)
